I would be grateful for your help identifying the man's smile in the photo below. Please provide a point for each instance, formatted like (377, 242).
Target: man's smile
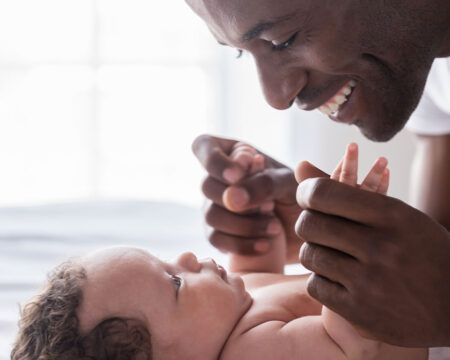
(335, 104)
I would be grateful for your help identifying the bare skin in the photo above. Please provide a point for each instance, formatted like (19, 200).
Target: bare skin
(305, 60)
(272, 317)
(430, 193)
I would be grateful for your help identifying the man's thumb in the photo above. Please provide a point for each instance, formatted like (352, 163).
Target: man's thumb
(306, 170)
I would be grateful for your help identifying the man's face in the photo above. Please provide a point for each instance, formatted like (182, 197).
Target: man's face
(361, 62)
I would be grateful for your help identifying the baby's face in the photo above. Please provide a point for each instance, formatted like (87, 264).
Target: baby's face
(190, 307)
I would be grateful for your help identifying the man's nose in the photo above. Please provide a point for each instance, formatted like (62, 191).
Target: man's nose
(189, 262)
(281, 85)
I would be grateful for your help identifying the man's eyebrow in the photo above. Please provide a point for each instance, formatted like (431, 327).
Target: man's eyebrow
(264, 26)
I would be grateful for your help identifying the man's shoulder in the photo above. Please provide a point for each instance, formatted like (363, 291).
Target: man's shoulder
(432, 116)
(439, 354)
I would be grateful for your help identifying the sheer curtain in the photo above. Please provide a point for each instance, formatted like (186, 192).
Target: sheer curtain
(102, 98)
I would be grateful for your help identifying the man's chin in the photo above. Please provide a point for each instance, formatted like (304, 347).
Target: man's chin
(380, 131)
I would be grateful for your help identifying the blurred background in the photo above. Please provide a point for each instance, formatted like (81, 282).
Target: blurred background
(100, 101)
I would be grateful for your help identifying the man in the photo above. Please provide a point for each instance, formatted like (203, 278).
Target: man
(377, 261)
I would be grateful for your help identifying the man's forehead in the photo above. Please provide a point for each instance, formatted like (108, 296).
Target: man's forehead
(235, 18)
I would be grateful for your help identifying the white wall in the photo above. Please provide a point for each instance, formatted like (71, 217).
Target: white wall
(294, 135)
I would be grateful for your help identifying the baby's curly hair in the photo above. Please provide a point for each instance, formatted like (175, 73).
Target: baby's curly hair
(48, 328)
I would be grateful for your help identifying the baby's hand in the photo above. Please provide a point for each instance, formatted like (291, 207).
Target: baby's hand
(247, 157)
(377, 180)
(252, 162)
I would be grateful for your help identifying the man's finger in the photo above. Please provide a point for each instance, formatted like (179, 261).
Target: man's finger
(326, 262)
(238, 245)
(268, 185)
(249, 226)
(306, 170)
(334, 198)
(213, 154)
(327, 230)
(213, 190)
(327, 292)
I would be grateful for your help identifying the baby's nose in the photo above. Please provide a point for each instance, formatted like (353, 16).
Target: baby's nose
(189, 262)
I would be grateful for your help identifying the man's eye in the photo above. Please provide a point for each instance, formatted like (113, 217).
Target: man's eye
(177, 281)
(285, 45)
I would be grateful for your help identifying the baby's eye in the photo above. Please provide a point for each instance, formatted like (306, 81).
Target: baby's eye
(177, 281)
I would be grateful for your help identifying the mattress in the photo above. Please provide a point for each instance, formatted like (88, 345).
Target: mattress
(33, 240)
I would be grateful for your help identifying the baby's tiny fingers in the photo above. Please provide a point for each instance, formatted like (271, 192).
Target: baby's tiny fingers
(257, 164)
(384, 182)
(336, 174)
(375, 176)
(243, 158)
(241, 146)
(349, 173)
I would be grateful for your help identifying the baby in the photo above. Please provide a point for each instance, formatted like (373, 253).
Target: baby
(124, 303)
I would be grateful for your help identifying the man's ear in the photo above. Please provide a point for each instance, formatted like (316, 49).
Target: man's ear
(306, 170)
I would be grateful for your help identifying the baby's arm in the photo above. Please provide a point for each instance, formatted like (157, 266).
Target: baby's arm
(328, 336)
(340, 330)
(274, 256)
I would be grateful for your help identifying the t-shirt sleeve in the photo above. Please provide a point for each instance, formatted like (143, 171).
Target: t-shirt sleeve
(432, 116)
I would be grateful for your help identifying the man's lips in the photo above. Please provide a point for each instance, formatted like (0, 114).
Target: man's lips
(311, 102)
(352, 109)
(338, 101)
(333, 105)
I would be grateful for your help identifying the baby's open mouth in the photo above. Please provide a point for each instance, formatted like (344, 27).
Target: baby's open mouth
(334, 104)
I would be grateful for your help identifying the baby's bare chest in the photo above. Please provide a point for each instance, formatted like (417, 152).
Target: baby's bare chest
(283, 300)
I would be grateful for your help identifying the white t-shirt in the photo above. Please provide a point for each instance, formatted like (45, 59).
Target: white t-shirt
(432, 116)
(439, 354)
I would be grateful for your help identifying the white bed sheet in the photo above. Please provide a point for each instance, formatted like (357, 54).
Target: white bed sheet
(33, 240)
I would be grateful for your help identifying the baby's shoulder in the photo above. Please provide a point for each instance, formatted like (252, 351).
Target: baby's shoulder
(256, 343)
(275, 339)
(277, 301)
(279, 297)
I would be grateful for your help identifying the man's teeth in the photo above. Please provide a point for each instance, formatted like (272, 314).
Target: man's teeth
(331, 107)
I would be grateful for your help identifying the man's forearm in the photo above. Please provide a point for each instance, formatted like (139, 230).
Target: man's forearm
(430, 178)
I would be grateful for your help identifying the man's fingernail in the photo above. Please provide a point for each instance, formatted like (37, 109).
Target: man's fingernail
(232, 175)
(274, 227)
(261, 246)
(238, 197)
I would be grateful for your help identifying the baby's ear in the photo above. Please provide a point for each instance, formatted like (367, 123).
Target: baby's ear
(306, 170)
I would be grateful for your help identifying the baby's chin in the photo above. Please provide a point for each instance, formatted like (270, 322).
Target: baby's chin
(238, 284)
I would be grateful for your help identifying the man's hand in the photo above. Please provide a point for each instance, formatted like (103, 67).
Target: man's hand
(240, 226)
(378, 262)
